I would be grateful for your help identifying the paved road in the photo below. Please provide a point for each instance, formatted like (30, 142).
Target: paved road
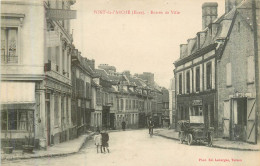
(136, 148)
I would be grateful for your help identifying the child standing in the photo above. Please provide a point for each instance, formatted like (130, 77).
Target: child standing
(98, 141)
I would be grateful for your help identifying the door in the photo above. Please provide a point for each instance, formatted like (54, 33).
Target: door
(226, 119)
(112, 120)
(251, 121)
(48, 123)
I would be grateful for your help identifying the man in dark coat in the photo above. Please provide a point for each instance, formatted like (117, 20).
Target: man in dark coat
(150, 125)
(123, 125)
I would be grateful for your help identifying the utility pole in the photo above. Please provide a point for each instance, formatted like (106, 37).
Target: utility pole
(255, 13)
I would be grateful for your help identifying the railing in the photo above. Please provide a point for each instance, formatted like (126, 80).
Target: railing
(9, 58)
(51, 67)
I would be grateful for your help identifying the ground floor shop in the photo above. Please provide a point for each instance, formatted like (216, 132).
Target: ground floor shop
(18, 114)
(201, 106)
(96, 120)
(55, 109)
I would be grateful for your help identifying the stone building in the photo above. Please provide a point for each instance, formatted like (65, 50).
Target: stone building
(36, 70)
(215, 75)
(81, 104)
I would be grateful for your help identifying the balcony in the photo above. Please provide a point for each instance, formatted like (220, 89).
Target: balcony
(52, 70)
(51, 67)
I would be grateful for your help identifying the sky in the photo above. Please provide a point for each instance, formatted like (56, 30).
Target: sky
(138, 42)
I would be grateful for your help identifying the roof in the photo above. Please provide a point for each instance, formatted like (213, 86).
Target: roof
(220, 30)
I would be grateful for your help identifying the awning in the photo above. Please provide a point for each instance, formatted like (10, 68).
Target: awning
(17, 92)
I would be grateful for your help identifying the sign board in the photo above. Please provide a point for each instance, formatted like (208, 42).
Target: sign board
(61, 14)
(196, 102)
(52, 39)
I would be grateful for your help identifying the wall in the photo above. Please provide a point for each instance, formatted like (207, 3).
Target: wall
(30, 38)
(238, 48)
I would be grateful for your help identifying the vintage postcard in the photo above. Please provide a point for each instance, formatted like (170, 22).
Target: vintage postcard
(130, 82)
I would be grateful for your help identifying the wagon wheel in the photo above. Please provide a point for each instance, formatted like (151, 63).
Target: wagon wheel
(190, 139)
(210, 140)
(180, 138)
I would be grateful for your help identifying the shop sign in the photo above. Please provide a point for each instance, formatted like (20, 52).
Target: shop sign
(196, 102)
(61, 14)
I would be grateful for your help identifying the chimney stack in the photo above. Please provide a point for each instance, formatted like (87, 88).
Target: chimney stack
(230, 4)
(209, 13)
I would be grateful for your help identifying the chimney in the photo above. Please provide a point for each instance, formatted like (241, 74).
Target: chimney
(91, 63)
(191, 43)
(209, 13)
(230, 4)
(183, 50)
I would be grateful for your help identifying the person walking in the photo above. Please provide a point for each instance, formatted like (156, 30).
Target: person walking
(105, 139)
(98, 141)
(123, 125)
(150, 126)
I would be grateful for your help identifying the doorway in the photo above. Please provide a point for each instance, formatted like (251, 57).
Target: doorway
(47, 107)
(239, 119)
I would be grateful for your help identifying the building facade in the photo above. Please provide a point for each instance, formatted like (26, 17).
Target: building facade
(40, 65)
(216, 73)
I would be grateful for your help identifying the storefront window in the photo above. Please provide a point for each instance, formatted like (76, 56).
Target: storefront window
(17, 120)
(196, 111)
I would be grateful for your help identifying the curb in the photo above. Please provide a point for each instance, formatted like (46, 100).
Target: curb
(214, 146)
(51, 155)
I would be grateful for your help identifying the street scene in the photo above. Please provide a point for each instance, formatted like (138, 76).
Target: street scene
(107, 82)
(138, 148)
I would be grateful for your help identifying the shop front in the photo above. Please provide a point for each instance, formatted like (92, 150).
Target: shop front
(201, 106)
(18, 106)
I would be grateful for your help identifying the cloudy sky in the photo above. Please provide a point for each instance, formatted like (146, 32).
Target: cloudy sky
(142, 42)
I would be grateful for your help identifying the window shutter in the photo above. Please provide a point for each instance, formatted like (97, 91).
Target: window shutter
(228, 74)
(250, 69)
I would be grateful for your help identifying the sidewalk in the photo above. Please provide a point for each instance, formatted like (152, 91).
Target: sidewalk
(217, 143)
(62, 149)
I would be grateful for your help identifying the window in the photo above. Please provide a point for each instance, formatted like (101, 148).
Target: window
(188, 81)
(228, 74)
(17, 120)
(117, 104)
(133, 104)
(9, 45)
(126, 104)
(98, 97)
(209, 75)
(197, 79)
(130, 104)
(57, 57)
(180, 84)
(122, 104)
(56, 110)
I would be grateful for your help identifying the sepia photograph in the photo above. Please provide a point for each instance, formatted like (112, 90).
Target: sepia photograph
(130, 82)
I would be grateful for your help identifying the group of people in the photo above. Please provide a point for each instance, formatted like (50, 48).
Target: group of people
(101, 141)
